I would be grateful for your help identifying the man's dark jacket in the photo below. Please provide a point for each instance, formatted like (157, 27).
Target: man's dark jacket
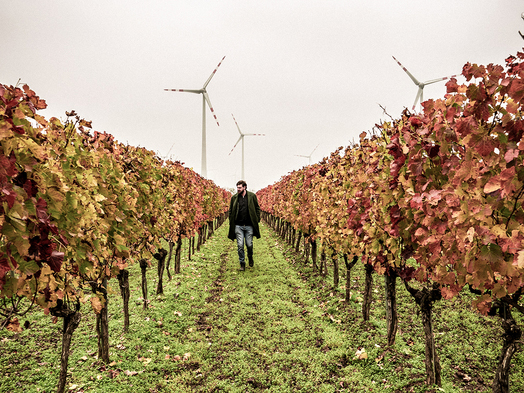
(254, 214)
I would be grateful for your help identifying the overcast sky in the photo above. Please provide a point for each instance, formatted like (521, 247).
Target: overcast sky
(302, 72)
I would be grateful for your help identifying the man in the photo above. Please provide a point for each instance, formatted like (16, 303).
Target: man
(244, 216)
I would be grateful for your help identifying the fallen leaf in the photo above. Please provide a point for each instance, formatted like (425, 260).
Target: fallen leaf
(361, 354)
(146, 361)
(379, 359)
(463, 376)
(335, 320)
(14, 326)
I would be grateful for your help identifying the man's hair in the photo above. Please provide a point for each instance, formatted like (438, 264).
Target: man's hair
(242, 183)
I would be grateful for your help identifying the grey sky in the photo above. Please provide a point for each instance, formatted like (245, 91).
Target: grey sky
(302, 72)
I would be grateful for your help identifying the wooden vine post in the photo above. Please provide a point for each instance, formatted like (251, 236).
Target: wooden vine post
(178, 255)
(349, 266)
(123, 282)
(512, 335)
(368, 294)
(425, 298)
(102, 321)
(160, 256)
(336, 278)
(391, 305)
(71, 320)
(171, 245)
(143, 268)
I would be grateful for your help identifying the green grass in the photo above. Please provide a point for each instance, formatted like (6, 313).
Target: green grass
(277, 327)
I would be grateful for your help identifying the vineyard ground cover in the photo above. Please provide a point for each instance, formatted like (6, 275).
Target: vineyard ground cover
(275, 327)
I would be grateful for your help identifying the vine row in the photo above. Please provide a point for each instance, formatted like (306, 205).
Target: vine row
(435, 199)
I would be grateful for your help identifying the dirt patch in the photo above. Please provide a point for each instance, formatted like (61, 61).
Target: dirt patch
(217, 287)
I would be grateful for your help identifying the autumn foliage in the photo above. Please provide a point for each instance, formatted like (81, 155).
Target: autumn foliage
(76, 206)
(434, 198)
(437, 196)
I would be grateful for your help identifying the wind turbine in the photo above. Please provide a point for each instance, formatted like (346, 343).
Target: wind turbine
(308, 157)
(522, 35)
(420, 94)
(205, 99)
(241, 138)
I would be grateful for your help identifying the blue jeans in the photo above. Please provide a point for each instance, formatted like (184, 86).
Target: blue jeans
(241, 232)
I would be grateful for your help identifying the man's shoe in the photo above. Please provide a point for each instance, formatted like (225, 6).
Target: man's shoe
(251, 262)
(242, 268)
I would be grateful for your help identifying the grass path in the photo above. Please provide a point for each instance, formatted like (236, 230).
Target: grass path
(265, 328)
(276, 327)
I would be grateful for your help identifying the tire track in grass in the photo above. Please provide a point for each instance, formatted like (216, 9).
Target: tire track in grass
(202, 323)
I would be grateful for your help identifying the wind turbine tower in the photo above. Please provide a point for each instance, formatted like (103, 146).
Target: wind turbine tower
(205, 99)
(241, 138)
(420, 93)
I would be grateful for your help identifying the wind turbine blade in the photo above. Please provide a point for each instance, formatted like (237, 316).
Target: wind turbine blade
(314, 150)
(298, 155)
(185, 90)
(419, 96)
(213, 73)
(254, 134)
(241, 136)
(169, 151)
(206, 97)
(240, 132)
(407, 72)
(438, 79)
